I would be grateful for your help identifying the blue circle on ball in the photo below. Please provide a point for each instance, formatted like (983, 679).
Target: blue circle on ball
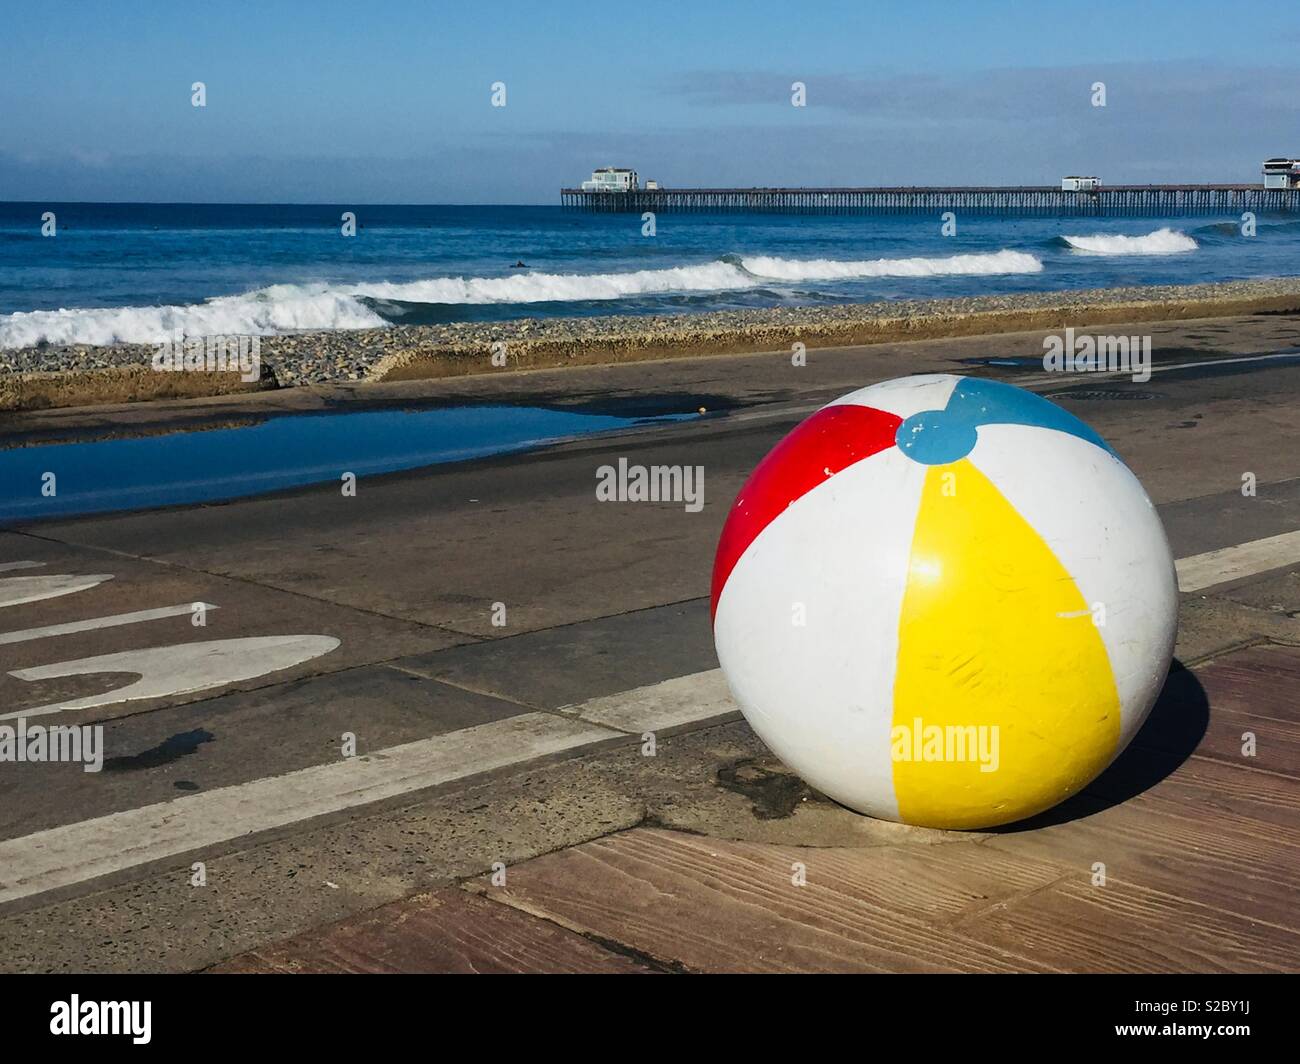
(936, 437)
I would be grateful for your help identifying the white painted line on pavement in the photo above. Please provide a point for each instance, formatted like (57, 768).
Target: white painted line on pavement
(74, 853)
(682, 700)
(1231, 563)
(8, 567)
(1291, 354)
(179, 669)
(95, 623)
(16, 590)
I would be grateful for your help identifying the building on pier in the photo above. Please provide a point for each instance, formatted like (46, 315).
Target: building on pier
(1282, 173)
(611, 179)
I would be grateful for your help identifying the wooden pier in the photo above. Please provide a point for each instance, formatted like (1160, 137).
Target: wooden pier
(1122, 200)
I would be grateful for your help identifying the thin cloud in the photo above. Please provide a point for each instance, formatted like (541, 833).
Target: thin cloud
(1172, 121)
(1172, 90)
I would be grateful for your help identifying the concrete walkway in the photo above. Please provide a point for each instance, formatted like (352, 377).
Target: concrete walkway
(1168, 863)
(227, 822)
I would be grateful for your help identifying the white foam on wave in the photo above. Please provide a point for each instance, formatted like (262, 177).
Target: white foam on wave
(1164, 241)
(996, 262)
(281, 308)
(294, 308)
(562, 287)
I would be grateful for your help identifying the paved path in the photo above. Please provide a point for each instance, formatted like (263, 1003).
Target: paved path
(481, 744)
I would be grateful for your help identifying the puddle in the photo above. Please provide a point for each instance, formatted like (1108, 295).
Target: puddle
(283, 452)
(1015, 362)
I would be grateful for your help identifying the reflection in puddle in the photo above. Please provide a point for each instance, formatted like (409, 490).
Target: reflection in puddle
(283, 452)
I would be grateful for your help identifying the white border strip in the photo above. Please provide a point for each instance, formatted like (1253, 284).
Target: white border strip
(1232, 563)
(74, 853)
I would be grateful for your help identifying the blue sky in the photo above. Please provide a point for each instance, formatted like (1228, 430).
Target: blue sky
(389, 101)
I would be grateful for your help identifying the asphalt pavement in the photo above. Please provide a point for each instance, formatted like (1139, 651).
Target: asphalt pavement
(493, 643)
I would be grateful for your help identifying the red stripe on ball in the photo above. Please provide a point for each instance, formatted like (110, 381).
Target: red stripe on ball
(832, 439)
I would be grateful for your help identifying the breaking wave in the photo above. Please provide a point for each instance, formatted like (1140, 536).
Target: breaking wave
(296, 308)
(1161, 242)
(995, 262)
(280, 308)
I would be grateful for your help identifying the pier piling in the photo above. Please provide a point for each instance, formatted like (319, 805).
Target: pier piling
(1159, 200)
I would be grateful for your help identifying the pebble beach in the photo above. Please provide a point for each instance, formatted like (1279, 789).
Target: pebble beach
(70, 375)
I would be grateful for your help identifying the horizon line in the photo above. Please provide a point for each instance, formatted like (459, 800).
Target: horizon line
(260, 203)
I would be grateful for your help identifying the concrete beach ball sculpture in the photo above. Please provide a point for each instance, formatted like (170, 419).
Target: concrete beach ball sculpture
(944, 601)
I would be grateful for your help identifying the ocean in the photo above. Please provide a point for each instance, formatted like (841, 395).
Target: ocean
(137, 273)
